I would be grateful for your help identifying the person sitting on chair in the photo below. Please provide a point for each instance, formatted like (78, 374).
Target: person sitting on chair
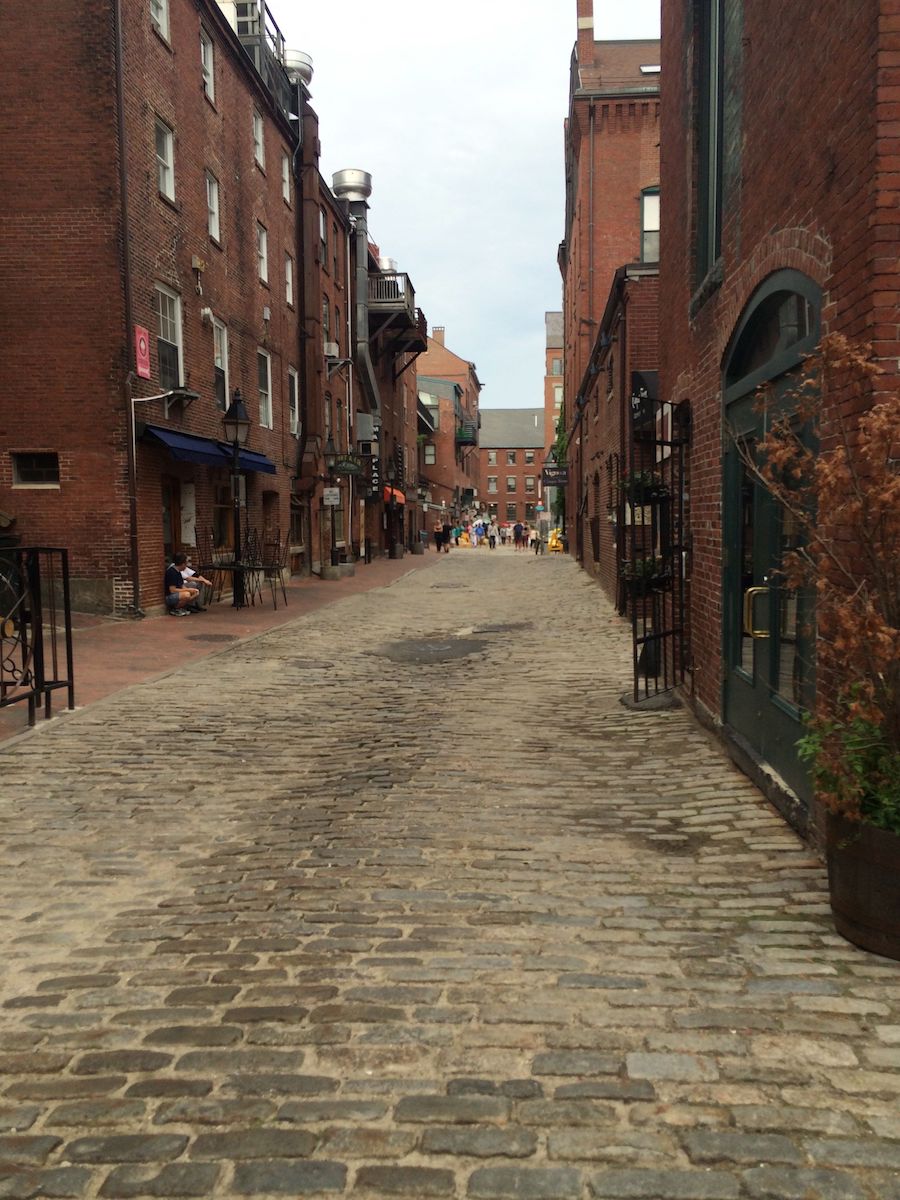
(181, 598)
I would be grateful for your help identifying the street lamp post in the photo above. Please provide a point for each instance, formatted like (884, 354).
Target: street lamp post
(237, 425)
(330, 454)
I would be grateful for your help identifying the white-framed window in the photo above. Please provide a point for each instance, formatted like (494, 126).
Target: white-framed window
(159, 17)
(207, 65)
(294, 400)
(430, 454)
(510, 458)
(212, 207)
(168, 336)
(289, 279)
(165, 159)
(510, 483)
(259, 143)
(529, 483)
(529, 457)
(492, 483)
(492, 458)
(264, 383)
(285, 177)
(262, 252)
(323, 236)
(220, 356)
(512, 511)
(650, 225)
(557, 397)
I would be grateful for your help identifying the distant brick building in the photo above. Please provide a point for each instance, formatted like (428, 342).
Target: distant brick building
(449, 385)
(512, 455)
(780, 223)
(608, 259)
(554, 342)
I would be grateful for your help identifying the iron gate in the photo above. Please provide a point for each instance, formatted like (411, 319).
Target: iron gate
(35, 627)
(655, 568)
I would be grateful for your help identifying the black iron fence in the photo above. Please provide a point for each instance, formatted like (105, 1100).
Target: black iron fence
(35, 628)
(655, 570)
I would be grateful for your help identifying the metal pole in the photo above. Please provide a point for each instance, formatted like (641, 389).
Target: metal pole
(238, 578)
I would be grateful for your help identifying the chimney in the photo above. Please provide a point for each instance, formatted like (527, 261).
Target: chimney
(585, 48)
(437, 334)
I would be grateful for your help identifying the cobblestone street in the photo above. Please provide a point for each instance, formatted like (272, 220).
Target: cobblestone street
(358, 907)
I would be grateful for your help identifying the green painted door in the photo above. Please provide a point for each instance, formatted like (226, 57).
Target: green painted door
(767, 625)
(768, 635)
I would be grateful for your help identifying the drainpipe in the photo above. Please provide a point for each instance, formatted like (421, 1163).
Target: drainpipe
(591, 218)
(134, 556)
(356, 187)
(299, 68)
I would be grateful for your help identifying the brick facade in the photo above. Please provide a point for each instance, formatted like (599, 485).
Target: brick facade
(808, 186)
(193, 211)
(512, 454)
(453, 479)
(609, 279)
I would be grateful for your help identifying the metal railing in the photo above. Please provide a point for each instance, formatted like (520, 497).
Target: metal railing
(35, 627)
(392, 291)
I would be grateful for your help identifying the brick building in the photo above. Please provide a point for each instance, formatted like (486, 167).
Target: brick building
(608, 259)
(512, 453)
(175, 239)
(553, 374)
(781, 223)
(449, 388)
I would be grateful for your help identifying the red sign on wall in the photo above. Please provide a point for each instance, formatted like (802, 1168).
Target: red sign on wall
(142, 351)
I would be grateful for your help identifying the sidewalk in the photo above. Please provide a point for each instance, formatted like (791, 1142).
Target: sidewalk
(114, 653)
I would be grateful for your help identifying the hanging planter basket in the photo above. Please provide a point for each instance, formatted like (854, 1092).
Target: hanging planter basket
(864, 883)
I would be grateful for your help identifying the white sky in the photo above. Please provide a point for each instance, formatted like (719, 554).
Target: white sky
(456, 108)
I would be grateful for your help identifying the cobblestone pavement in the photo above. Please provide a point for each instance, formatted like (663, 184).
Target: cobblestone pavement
(398, 900)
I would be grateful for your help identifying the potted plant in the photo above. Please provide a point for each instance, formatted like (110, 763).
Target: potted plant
(650, 573)
(643, 487)
(843, 492)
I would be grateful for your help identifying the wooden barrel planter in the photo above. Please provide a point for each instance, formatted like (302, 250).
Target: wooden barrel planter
(864, 882)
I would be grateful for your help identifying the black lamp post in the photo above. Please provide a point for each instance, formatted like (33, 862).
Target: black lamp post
(330, 454)
(390, 472)
(237, 425)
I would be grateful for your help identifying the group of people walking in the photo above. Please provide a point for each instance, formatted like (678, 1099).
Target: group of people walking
(475, 533)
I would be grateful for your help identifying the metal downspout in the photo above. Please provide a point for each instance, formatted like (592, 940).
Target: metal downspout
(134, 556)
(358, 210)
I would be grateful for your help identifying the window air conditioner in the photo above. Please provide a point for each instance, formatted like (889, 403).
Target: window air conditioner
(331, 350)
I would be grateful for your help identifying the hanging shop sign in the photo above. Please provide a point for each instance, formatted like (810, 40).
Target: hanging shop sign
(555, 476)
(348, 464)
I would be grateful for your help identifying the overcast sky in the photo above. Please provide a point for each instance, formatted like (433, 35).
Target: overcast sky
(456, 108)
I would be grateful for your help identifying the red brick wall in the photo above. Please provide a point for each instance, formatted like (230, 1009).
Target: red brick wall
(61, 312)
(519, 471)
(802, 191)
(599, 450)
(66, 346)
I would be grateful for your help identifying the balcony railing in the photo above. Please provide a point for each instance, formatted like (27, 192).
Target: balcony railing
(392, 292)
(467, 434)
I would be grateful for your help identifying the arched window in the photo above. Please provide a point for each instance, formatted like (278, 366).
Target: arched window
(778, 327)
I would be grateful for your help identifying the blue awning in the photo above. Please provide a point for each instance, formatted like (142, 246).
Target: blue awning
(187, 447)
(251, 461)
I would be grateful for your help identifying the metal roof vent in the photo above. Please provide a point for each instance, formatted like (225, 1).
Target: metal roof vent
(299, 66)
(351, 184)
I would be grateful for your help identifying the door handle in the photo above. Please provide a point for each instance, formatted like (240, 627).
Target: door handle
(749, 596)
